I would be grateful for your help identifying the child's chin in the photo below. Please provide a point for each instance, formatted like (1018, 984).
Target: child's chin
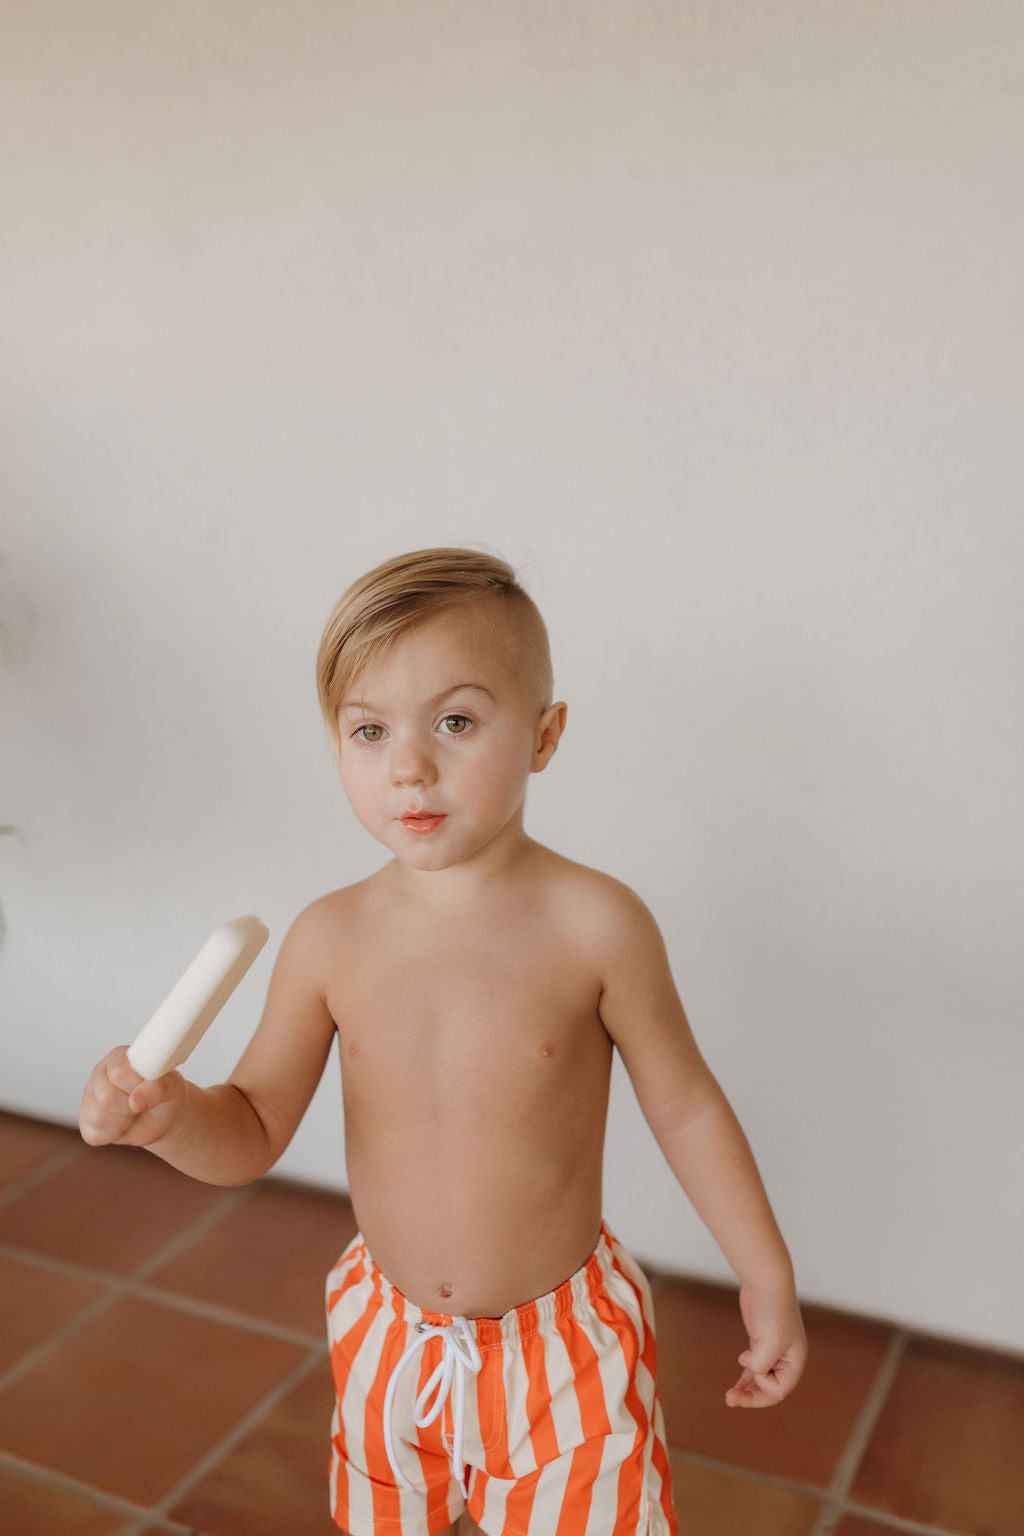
(427, 858)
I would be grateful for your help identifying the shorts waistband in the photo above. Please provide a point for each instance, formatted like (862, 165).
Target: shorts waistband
(574, 1296)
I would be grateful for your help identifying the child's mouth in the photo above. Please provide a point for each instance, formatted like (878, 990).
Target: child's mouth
(421, 823)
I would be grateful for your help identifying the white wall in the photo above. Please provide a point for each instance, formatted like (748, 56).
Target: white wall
(706, 315)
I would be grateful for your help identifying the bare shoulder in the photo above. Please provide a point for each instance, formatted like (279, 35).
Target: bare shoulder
(315, 919)
(607, 913)
(602, 896)
(301, 959)
(336, 904)
(329, 915)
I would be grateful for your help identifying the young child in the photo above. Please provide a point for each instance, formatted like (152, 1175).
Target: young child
(492, 1341)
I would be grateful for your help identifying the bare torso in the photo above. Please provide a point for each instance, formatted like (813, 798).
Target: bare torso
(475, 1074)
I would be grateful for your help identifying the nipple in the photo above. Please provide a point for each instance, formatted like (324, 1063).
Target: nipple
(446, 1290)
(547, 1050)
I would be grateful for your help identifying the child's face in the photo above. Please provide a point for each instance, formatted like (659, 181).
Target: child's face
(442, 725)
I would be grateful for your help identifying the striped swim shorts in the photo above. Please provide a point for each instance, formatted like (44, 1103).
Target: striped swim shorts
(543, 1422)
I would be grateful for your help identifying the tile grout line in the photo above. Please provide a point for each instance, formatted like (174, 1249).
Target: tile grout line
(888, 1522)
(139, 1516)
(39, 1174)
(93, 1309)
(159, 1511)
(140, 1527)
(221, 1208)
(217, 1314)
(746, 1474)
(884, 1520)
(52, 1478)
(194, 1305)
(116, 1287)
(836, 1501)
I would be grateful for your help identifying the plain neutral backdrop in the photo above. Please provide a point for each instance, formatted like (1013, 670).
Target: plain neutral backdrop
(707, 317)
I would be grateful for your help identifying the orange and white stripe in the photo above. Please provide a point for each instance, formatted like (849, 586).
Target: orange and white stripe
(563, 1432)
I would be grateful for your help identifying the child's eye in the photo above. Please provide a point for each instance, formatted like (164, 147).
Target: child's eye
(370, 739)
(458, 724)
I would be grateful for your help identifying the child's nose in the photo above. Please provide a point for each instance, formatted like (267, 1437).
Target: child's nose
(411, 763)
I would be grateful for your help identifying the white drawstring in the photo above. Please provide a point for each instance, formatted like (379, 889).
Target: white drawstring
(459, 1356)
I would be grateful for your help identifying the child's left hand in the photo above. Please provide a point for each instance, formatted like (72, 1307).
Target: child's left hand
(774, 1363)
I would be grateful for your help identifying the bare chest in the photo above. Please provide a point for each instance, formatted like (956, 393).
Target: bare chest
(506, 1020)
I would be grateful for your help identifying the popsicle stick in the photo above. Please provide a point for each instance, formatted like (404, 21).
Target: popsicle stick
(197, 997)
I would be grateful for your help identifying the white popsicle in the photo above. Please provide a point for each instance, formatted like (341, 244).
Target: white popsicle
(197, 997)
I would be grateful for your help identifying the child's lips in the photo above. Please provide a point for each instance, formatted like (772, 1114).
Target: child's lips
(426, 822)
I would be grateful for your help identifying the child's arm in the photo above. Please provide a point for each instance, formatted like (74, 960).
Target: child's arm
(703, 1142)
(234, 1132)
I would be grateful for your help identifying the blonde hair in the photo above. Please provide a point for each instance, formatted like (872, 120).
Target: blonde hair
(397, 595)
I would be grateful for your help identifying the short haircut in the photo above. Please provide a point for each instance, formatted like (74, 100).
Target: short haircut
(397, 595)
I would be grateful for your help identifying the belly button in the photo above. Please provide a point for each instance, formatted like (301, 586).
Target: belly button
(446, 1290)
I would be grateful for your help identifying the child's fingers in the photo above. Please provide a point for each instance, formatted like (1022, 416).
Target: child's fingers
(755, 1391)
(116, 1097)
(766, 1379)
(120, 1071)
(762, 1358)
(104, 1111)
(150, 1093)
(740, 1395)
(142, 1093)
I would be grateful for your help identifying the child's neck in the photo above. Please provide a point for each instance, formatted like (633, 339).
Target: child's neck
(468, 885)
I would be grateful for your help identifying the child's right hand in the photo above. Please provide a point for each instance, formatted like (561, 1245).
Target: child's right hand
(118, 1106)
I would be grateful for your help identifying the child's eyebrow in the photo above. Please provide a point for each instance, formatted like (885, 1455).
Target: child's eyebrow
(437, 699)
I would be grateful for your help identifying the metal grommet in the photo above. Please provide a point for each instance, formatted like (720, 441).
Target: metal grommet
(421, 1326)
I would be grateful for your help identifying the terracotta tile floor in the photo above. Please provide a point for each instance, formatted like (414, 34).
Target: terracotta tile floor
(163, 1371)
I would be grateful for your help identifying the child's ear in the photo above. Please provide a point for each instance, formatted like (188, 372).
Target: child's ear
(550, 726)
